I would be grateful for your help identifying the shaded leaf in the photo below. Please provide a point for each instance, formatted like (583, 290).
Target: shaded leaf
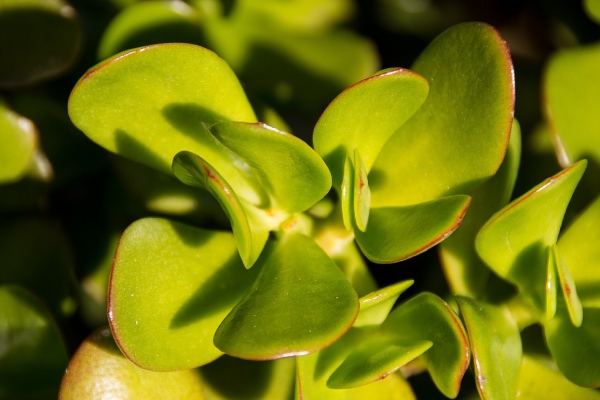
(569, 291)
(362, 193)
(375, 307)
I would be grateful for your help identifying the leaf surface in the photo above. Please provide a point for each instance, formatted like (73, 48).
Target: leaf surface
(375, 307)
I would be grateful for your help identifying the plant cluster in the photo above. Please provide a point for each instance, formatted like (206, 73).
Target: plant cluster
(198, 249)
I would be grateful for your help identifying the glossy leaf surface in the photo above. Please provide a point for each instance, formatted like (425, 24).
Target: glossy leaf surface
(465, 272)
(288, 168)
(515, 241)
(375, 307)
(569, 291)
(49, 30)
(170, 288)
(300, 303)
(362, 193)
(147, 23)
(495, 348)
(18, 139)
(398, 233)
(115, 102)
(571, 93)
(365, 115)
(250, 233)
(458, 138)
(427, 317)
(98, 370)
(374, 360)
(33, 355)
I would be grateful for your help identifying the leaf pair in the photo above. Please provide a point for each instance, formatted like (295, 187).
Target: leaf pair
(403, 145)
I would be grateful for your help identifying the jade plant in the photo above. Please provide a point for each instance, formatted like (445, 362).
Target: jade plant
(186, 227)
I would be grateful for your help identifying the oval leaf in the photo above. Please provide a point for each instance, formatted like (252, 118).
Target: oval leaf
(495, 347)
(18, 140)
(515, 241)
(365, 115)
(300, 303)
(397, 233)
(427, 317)
(170, 288)
(458, 138)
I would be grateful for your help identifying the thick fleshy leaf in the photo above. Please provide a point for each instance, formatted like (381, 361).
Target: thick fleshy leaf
(33, 355)
(314, 370)
(50, 32)
(35, 254)
(427, 317)
(375, 307)
(572, 92)
(374, 360)
(300, 303)
(576, 350)
(365, 115)
(170, 288)
(362, 193)
(569, 290)
(540, 380)
(138, 105)
(592, 7)
(579, 250)
(495, 347)
(147, 23)
(347, 194)
(458, 138)
(254, 380)
(551, 282)
(18, 140)
(515, 242)
(397, 233)
(465, 272)
(291, 171)
(98, 370)
(250, 232)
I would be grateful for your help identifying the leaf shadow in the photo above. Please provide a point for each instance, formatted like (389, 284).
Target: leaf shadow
(132, 148)
(191, 119)
(530, 269)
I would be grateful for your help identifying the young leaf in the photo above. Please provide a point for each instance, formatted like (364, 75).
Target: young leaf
(495, 347)
(170, 288)
(300, 303)
(176, 89)
(458, 138)
(250, 233)
(291, 171)
(375, 307)
(365, 115)
(397, 233)
(427, 317)
(362, 193)
(33, 355)
(347, 194)
(569, 290)
(99, 370)
(515, 241)
(18, 139)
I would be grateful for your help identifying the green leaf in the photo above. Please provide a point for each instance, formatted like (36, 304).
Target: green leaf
(540, 380)
(138, 105)
(571, 92)
(592, 7)
(170, 288)
(18, 142)
(465, 272)
(515, 241)
(551, 281)
(569, 291)
(375, 307)
(147, 23)
(347, 194)
(99, 370)
(365, 115)
(397, 233)
(36, 255)
(291, 171)
(250, 232)
(374, 360)
(495, 347)
(579, 250)
(33, 356)
(300, 303)
(49, 40)
(362, 193)
(458, 138)
(427, 317)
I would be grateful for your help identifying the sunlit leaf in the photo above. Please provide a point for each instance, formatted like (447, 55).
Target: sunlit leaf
(398, 233)
(458, 138)
(170, 288)
(33, 356)
(375, 307)
(99, 370)
(18, 140)
(362, 193)
(300, 303)
(569, 290)
(495, 348)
